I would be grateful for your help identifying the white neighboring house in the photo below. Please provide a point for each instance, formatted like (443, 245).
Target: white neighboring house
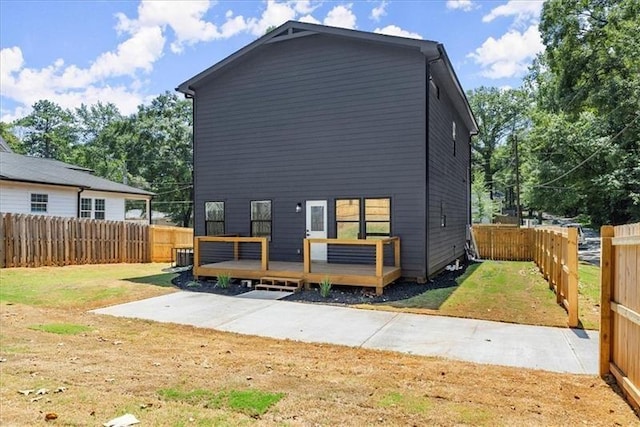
(39, 186)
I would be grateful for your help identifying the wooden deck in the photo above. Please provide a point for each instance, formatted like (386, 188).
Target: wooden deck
(376, 275)
(339, 274)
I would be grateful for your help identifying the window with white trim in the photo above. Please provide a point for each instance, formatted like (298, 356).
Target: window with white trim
(99, 209)
(39, 202)
(85, 208)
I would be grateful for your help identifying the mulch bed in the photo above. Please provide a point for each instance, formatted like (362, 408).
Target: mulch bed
(400, 290)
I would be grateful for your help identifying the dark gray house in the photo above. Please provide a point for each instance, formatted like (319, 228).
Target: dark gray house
(321, 132)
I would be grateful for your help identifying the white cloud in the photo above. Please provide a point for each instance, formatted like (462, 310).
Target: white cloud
(309, 19)
(379, 11)
(464, 5)
(144, 39)
(523, 11)
(304, 7)
(510, 55)
(393, 30)
(341, 16)
(274, 15)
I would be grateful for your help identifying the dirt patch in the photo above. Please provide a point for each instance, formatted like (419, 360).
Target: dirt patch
(346, 295)
(120, 365)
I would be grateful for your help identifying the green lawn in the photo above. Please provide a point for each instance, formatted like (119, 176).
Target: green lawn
(506, 291)
(82, 285)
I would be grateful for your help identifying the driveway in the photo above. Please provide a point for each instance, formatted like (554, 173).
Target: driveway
(480, 341)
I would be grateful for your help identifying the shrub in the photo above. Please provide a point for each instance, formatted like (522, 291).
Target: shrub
(223, 280)
(325, 287)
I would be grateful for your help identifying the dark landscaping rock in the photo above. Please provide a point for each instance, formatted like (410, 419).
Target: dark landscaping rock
(346, 295)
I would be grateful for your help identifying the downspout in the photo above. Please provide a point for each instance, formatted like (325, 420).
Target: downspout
(80, 190)
(429, 61)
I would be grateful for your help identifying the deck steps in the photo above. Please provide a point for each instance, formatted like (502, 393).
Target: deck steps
(290, 284)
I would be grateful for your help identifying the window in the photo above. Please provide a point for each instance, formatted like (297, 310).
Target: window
(348, 218)
(85, 208)
(39, 202)
(261, 218)
(363, 218)
(453, 135)
(214, 218)
(377, 217)
(99, 209)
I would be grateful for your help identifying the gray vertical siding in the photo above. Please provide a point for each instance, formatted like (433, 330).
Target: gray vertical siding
(315, 118)
(448, 183)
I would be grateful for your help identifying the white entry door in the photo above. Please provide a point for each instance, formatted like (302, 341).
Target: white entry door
(317, 228)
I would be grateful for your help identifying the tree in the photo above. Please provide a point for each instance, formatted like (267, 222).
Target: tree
(588, 125)
(48, 131)
(160, 151)
(483, 207)
(14, 143)
(498, 113)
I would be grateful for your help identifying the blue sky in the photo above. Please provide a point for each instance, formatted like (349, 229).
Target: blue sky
(128, 52)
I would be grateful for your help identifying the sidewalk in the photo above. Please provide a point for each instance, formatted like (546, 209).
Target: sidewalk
(480, 341)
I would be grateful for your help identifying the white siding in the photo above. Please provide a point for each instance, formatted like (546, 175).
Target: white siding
(15, 197)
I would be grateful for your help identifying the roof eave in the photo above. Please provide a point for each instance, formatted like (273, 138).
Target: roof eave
(427, 46)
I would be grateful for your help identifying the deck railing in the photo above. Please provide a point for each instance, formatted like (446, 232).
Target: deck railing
(236, 240)
(378, 243)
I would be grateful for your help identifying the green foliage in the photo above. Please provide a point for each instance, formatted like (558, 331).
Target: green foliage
(483, 207)
(48, 131)
(249, 402)
(223, 280)
(14, 143)
(499, 113)
(61, 328)
(325, 287)
(586, 132)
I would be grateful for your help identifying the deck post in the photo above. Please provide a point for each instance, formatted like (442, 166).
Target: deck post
(379, 259)
(396, 251)
(306, 249)
(265, 254)
(196, 257)
(236, 250)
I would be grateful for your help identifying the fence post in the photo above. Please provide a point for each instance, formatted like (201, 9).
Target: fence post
(606, 283)
(3, 246)
(572, 264)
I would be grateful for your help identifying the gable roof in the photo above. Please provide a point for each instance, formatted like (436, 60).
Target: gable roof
(440, 65)
(16, 167)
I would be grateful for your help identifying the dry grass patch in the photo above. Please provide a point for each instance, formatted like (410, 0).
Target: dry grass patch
(175, 375)
(121, 366)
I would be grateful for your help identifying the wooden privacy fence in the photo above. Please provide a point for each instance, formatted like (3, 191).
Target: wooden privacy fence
(37, 241)
(503, 242)
(620, 307)
(553, 249)
(165, 240)
(555, 252)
